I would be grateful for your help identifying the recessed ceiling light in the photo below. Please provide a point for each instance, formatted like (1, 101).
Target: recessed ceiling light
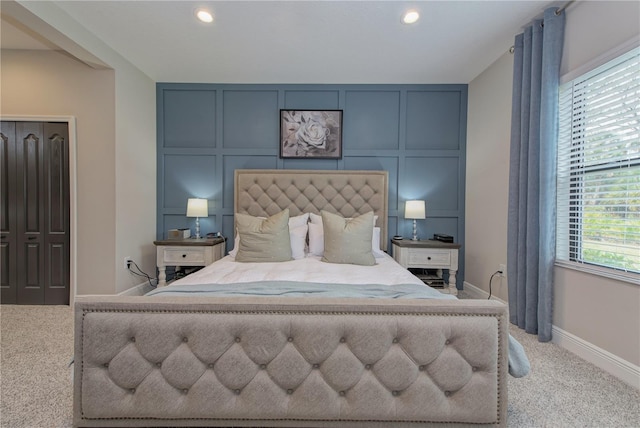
(204, 15)
(410, 17)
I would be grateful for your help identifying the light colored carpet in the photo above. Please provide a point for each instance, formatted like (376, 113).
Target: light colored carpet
(36, 347)
(561, 391)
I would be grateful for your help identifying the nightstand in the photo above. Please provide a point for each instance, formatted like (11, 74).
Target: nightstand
(428, 255)
(186, 252)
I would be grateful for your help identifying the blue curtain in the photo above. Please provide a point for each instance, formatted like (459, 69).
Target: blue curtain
(532, 174)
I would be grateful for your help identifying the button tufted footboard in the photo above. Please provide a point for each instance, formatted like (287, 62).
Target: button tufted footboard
(278, 362)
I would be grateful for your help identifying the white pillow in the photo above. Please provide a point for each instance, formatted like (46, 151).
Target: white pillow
(295, 229)
(315, 218)
(316, 241)
(375, 244)
(299, 220)
(298, 236)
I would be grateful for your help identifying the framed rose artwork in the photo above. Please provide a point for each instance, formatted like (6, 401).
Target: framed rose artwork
(315, 134)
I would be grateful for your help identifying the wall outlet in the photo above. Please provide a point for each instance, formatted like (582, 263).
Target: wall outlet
(502, 268)
(127, 262)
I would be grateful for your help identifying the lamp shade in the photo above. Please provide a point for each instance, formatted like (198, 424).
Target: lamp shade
(415, 210)
(197, 208)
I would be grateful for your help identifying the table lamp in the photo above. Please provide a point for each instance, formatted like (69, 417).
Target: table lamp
(197, 208)
(415, 210)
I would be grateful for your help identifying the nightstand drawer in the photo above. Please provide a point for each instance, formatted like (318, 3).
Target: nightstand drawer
(183, 255)
(428, 257)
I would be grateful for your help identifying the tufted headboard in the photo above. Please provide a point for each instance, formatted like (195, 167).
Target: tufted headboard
(264, 192)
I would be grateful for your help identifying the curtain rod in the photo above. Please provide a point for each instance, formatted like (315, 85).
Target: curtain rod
(562, 8)
(557, 12)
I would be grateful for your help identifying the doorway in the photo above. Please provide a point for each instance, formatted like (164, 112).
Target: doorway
(35, 222)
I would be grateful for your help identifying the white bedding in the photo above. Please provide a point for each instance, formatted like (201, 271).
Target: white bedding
(386, 271)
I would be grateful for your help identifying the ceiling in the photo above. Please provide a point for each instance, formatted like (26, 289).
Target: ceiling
(299, 41)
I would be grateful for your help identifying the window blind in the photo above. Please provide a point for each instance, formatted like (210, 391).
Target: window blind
(598, 182)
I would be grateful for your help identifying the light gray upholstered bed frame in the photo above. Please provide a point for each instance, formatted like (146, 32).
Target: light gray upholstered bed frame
(291, 362)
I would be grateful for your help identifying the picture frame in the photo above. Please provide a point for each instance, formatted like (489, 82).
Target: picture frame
(311, 134)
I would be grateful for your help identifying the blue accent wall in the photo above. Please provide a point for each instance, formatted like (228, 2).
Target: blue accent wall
(415, 132)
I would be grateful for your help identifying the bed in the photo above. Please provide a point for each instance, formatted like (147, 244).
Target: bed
(328, 345)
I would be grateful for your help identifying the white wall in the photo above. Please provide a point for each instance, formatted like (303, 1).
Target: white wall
(135, 174)
(50, 83)
(119, 199)
(600, 311)
(487, 181)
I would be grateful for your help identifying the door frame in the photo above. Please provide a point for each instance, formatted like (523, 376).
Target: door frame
(73, 201)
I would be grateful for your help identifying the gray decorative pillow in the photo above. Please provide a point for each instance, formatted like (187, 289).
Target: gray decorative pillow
(263, 240)
(348, 241)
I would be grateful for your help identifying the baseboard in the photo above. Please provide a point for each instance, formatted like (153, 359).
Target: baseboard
(473, 292)
(625, 371)
(138, 290)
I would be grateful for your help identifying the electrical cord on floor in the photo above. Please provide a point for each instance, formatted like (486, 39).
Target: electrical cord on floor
(140, 272)
(491, 279)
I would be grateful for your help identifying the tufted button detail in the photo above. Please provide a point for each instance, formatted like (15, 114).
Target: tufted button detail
(185, 391)
(421, 368)
(448, 342)
(395, 393)
(133, 339)
(158, 364)
(185, 339)
(237, 392)
(447, 393)
(316, 366)
(210, 365)
(106, 365)
(289, 391)
(289, 339)
(132, 390)
(342, 393)
(237, 339)
(263, 366)
(367, 366)
(395, 340)
(342, 340)
(474, 369)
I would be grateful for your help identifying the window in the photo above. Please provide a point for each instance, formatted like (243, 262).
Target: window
(598, 220)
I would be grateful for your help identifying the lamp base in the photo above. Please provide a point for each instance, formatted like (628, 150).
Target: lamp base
(415, 235)
(198, 228)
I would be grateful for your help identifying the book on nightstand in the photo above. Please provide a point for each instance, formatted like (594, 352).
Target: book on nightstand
(442, 237)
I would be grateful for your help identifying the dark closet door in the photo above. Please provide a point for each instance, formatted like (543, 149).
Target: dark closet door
(56, 214)
(41, 211)
(8, 243)
(30, 210)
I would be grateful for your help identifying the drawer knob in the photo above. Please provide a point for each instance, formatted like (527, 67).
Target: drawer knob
(184, 255)
(429, 258)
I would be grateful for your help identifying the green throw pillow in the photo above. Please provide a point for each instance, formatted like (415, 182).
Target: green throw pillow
(348, 241)
(263, 240)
